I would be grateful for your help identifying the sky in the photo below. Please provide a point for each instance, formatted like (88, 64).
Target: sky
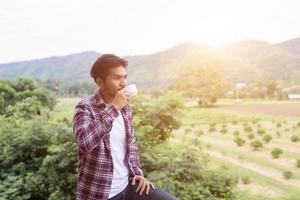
(31, 29)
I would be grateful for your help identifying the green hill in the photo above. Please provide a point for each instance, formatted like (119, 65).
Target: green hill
(246, 61)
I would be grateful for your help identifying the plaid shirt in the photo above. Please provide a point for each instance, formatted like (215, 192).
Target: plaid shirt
(93, 121)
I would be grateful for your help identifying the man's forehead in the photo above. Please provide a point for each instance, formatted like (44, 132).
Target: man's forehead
(118, 71)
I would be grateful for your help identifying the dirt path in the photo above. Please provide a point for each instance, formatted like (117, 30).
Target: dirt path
(284, 109)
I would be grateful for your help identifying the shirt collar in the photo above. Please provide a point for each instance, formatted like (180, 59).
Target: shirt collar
(98, 99)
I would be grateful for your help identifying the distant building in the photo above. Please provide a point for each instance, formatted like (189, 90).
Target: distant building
(240, 85)
(294, 96)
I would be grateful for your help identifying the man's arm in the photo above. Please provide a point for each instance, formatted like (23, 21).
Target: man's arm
(88, 131)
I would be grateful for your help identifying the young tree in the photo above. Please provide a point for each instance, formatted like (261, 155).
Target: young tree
(202, 77)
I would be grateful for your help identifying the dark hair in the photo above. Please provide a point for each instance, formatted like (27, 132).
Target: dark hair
(105, 62)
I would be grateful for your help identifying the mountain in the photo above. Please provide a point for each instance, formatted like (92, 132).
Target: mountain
(246, 61)
(69, 68)
(279, 61)
(293, 46)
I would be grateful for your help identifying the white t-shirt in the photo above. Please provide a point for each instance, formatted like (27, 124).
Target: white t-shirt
(118, 152)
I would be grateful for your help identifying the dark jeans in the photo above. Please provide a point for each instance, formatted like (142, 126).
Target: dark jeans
(154, 194)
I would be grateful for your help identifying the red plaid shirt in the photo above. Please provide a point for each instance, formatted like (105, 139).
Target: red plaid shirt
(93, 121)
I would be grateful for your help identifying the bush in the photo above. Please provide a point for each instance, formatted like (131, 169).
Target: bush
(39, 162)
(212, 124)
(236, 133)
(245, 124)
(199, 132)
(294, 138)
(278, 124)
(187, 179)
(246, 180)
(261, 131)
(287, 174)
(239, 141)
(256, 145)
(258, 126)
(278, 133)
(251, 136)
(212, 129)
(267, 138)
(248, 128)
(223, 130)
(276, 152)
(235, 122)
(298, 163)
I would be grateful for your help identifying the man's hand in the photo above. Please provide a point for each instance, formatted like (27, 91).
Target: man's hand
(143, 184)
(120, 100)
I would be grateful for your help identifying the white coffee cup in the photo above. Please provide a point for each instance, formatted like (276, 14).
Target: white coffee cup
(131, 89)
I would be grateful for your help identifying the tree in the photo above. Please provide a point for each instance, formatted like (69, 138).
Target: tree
(202, 77)
(23, 84)
(276, 152)
(256, 145)
(7, 96)
(239, 141)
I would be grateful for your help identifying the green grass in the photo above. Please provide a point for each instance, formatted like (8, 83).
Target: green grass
(287, 192)
(201, 118)
(64, 109)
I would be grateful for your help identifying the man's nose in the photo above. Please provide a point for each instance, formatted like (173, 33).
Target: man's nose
(123, 82)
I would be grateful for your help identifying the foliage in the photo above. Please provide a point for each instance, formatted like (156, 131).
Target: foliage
(223, 130)
(267, 138)
(236, 133)
(13, 91)
(239, 141)
(38, 157)
(248, 128)
(294, 138)
(251, 136)
(63, 88)
(202, 77)
(246, 180)
(156, 118)
(261, 131)
(287, 174)
(187, 178)
(256, 145)
(276, 152)
(298, 163)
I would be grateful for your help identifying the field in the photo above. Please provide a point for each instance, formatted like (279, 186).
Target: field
(214, 129)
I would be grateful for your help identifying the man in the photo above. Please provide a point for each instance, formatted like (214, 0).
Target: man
(109, 165)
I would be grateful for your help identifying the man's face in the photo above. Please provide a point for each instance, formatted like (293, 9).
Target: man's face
(115, 81)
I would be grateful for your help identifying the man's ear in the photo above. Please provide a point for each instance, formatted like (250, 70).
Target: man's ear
(100, 82)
